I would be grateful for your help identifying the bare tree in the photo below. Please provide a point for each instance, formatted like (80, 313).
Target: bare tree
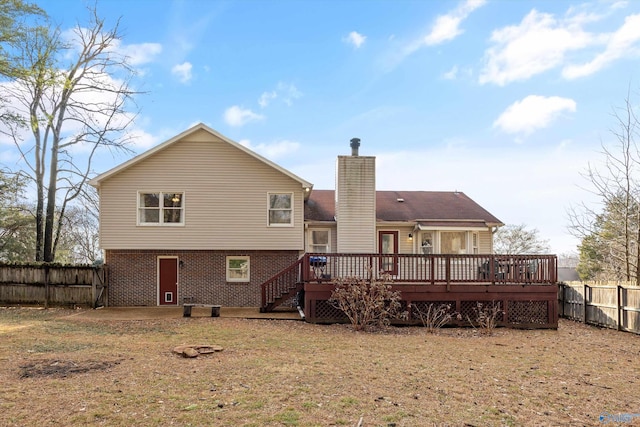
(69, 109)
(610, 231)
(516, 239)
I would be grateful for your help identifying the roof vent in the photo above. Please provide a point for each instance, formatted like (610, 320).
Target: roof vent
(355, 144)
(400, 199)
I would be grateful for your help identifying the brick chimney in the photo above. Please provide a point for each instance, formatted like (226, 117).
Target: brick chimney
(356, 202)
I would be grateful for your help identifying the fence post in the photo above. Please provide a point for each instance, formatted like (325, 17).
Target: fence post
(584, 305)
(94, 287)
(46, 286)
(619, 306)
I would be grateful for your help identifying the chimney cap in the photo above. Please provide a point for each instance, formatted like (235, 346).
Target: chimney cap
(355, 143)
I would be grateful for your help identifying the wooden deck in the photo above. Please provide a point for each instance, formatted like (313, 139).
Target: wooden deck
(525, 286)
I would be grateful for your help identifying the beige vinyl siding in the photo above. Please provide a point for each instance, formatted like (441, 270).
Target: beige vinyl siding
(485, 242)
(225, 200)
(356, 204)
(405, 246)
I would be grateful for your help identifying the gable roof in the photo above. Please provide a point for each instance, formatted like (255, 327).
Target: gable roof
(200, 126)
(428, 208)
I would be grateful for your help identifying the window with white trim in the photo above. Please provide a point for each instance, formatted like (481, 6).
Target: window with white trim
(427, 244)
(238, 268)
(161, 208)
(280, 209)
(449, 242)
(319, 241)
(474, 242)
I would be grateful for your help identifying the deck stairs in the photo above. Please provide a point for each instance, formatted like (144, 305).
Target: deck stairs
(282, 287)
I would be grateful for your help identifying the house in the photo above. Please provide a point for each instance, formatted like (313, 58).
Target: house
(200, 216)
(204, 217)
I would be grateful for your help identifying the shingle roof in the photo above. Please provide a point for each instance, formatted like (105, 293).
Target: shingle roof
(430, 207)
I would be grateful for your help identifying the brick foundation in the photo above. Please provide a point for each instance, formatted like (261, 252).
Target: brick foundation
(133, 276)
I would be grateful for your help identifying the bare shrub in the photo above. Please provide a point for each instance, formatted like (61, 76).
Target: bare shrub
(365, 303)
(435, 317)
(486, 317)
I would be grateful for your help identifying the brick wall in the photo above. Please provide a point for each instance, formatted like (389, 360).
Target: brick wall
(133, 276)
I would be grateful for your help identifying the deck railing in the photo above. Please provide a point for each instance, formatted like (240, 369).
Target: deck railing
(281, 284)
(433, 268)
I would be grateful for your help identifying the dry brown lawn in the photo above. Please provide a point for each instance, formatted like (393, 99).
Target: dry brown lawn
(61, 368)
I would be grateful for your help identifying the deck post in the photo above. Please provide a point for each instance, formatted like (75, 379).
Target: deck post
(447, 274)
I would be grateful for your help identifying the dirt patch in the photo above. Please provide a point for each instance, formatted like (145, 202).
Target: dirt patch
(62, 368)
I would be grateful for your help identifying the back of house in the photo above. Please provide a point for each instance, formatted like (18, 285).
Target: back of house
(198, 216)
(202, 217)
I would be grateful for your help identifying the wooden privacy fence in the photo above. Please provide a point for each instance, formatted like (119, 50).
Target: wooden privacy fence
(613, 305)
(52, 285)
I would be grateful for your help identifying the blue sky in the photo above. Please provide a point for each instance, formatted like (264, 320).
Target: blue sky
(507, 101)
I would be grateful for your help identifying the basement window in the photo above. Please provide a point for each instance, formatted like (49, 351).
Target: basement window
(238, 268)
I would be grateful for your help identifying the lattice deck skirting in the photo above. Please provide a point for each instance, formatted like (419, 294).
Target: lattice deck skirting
(531, 306)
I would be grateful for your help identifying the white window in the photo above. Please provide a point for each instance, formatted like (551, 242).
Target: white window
(238, 268)
(474, 242)
(449, 242)
(426, 246)
(161, 208)
(280, 209)
(319, 241)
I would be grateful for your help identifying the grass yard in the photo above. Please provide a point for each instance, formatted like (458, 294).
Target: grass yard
(60, 368)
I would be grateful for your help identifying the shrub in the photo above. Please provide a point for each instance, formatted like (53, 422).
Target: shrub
(366, 304)
(486, 317)
(435, 317)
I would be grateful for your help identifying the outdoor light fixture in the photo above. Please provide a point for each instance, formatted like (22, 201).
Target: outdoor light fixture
(410, 236)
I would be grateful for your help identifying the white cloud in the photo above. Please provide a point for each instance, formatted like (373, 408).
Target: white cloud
(266, 98)
(139, 54)
(354, 38)
(182, 71)
(288, 92)
(539, 43)
(273, 150)
(141, 140)
(135, 54)
(532, 113)
(622, 43)
(452, 74)
(238, 116)
(447, 27)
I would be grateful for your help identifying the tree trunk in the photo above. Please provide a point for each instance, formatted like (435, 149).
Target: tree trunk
(48, 251)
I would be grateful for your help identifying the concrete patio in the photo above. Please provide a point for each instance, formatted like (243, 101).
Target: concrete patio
(147, 313)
